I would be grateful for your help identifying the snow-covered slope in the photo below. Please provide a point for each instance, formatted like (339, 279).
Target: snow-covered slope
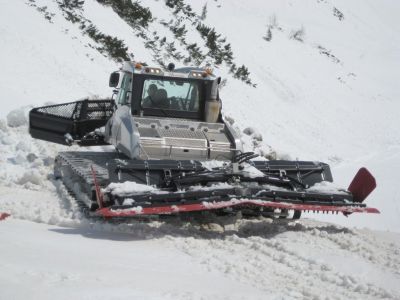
(326, 90)
(306, 103)
(251, 260)
(44, 62)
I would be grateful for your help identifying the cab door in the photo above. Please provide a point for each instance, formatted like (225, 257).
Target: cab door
(121, 129)
(122, 101)
(125, 91)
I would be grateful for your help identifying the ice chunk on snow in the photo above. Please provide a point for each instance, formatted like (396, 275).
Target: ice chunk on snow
(128, 188)
(256, 135)
(217, 186)
(32, 176)
(249, 169)
(17, 117)
(327, 187)
(100, 131)
(3, 125)
(252, 172)
(138, 210)
(128, 201)
(23, 145)
(210, 164)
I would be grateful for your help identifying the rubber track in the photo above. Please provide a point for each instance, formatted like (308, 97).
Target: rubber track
(78, 165)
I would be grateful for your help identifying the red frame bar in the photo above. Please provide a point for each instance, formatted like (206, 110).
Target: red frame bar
(4, 216)
(99, 194)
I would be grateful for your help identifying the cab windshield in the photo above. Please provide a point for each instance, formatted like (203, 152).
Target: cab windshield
(172, 94)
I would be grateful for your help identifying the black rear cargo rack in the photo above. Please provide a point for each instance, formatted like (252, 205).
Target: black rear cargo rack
(71, 122)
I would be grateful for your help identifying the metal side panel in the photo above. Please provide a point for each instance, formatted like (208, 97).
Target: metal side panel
(220, 146)
(234, 136)
(122, 132)
(166, 138)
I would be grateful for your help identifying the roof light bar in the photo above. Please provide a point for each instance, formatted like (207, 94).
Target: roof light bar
(153, 71)
(196, 74)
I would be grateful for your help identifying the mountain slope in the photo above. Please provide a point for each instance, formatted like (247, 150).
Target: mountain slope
(330, 96)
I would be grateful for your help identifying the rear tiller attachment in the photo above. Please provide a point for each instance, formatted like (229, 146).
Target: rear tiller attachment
(252, 187)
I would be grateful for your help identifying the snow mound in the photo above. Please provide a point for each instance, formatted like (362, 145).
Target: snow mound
(30, 176)
(211, 164)
(327, 187)
(17, 117)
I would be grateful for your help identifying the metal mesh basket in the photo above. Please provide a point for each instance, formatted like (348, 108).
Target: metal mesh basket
(99, 109)
(67, 110)
(80, 110)
(77, 119)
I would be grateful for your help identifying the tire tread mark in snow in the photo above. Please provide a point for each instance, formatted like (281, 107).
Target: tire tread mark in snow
(365, 247)
(263, 256)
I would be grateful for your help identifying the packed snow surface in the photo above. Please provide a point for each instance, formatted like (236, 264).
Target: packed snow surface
(331, 96)
(247, 260)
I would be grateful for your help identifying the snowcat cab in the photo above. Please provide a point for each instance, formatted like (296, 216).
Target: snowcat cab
(175, 154)
(172, 114)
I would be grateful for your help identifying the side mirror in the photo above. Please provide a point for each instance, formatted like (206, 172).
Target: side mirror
(114, 79)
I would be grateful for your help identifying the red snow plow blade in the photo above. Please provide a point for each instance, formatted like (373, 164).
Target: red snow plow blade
(173, 209)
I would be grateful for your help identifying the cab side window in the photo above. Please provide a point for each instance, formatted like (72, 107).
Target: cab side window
(125, 90)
